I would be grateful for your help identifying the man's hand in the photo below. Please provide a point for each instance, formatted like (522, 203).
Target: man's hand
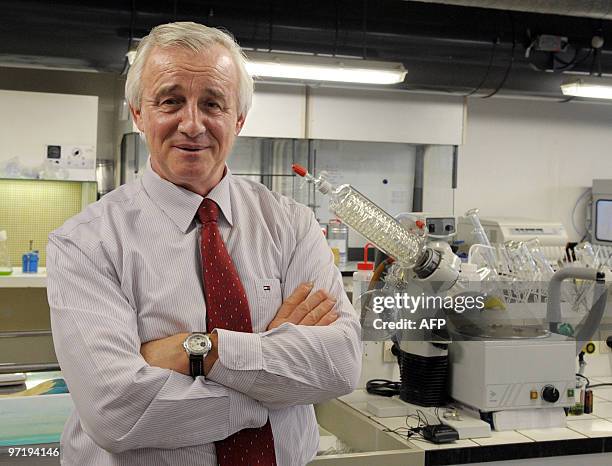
(168, 353)
(301, 309)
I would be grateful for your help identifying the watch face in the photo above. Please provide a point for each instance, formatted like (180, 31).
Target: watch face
(198, 343)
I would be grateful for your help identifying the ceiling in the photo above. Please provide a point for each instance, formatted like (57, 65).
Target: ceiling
(446, 48)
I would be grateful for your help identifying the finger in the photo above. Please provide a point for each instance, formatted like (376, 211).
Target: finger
(318, 312)
(306, 306)
(293, 300)
(328, 318)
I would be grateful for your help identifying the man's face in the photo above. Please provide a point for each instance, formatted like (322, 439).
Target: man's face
(189, 114)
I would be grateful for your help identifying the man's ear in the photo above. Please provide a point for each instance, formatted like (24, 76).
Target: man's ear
(239, 124)
(137, 117)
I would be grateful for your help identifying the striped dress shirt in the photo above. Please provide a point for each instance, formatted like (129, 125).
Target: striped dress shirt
(127, 270)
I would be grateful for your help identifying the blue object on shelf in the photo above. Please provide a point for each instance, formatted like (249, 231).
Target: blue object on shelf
(33, 262)
(29, 262)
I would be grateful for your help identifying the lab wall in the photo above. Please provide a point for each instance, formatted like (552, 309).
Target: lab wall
(533, 159)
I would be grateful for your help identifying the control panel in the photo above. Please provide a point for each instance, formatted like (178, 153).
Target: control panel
(558, 393)
(72, 161)
(440, 226)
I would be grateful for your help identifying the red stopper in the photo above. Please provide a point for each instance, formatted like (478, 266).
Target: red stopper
(297, 168)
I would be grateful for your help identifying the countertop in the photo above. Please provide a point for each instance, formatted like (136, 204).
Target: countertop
(584, 435)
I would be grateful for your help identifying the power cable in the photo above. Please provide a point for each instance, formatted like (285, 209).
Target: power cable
(486, 75)
(126, 62)
(364, 26)
(509, 67)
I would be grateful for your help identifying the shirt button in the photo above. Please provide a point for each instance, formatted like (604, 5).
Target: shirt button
(239, 363)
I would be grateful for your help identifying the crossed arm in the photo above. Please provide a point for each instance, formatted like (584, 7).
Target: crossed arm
(300, 308)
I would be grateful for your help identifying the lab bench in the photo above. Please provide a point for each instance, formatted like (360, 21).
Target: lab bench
(373, 440)
(36, 422)
(586, 438)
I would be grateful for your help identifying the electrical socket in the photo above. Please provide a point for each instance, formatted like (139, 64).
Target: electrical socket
(388, 356)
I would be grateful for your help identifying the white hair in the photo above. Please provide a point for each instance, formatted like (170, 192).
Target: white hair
(196, 37)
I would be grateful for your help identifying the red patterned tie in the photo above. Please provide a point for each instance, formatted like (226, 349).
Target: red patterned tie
(227, 307)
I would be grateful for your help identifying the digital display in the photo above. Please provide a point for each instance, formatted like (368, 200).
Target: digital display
(603, 218)
(54, 152)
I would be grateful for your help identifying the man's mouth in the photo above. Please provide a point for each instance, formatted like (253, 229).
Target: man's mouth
(190, 147)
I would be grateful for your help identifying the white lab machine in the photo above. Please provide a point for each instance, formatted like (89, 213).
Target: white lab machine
(552, 236)
(502, 369)
(513, 373)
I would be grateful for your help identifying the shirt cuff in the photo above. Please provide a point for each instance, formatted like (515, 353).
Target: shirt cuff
(240, 359)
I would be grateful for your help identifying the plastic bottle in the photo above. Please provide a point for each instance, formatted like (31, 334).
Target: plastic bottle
(363, 276)
(5, 261)
(34, 262)
(368, 219)
(29, 261)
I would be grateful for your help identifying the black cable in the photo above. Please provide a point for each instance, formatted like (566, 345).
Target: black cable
(383, 387)
(509, 67)
(592, 68)
(600, 385)
(270, 27)
(563, 62)
(588, 382)
(337, 27)
(574, 61)
(126, 62)
(486, 75)
(364, 26)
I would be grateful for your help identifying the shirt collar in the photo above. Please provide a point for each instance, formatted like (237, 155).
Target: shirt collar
(180, 204)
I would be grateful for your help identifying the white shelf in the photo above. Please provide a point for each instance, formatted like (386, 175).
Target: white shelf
(18, 279)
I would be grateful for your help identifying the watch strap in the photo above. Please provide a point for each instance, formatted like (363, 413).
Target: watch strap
(196, 365)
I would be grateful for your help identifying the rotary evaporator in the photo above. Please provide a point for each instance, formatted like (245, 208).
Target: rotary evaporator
(508, 364)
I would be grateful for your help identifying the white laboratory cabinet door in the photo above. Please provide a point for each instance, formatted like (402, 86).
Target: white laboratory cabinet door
(48, 136)
(384, 116)
(278, 111)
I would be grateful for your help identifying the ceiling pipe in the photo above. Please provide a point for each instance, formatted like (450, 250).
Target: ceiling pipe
(599, 9)
(438, 44)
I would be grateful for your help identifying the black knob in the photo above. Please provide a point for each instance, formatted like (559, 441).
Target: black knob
(550, 394)
(609, 341)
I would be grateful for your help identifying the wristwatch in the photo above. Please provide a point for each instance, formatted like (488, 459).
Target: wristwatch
(197, 346)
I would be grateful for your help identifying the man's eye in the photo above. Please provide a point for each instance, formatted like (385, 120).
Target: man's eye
(169, 102)
(213, 105)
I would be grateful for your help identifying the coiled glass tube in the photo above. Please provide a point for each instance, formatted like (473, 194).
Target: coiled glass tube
(376, 225)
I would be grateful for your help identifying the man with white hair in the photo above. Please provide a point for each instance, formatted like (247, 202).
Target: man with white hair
(183, 305)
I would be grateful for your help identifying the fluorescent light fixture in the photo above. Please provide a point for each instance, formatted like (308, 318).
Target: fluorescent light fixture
(320, 68)
(593, 87)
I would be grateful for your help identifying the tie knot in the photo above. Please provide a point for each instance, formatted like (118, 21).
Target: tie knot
(208, 211)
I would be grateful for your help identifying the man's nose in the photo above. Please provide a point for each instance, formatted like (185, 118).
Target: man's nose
(192, 121)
